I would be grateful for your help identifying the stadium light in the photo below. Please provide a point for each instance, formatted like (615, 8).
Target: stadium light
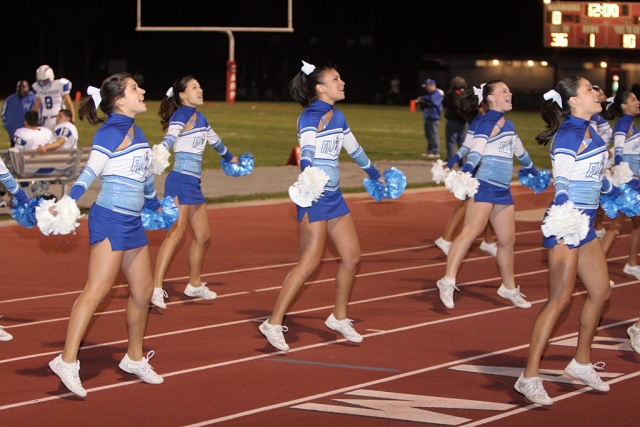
(530, 63)
(603, 64)
(544, 63)
(495, 62)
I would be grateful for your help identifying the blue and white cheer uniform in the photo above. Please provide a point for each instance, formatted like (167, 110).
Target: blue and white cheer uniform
(126, 184)
(322, 149)
(188, 147)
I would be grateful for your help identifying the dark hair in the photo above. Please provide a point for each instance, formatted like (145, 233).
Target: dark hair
(170, 104)
(303, 87)
(458, 83)
(66, 113)
(112, 89)
(554, 115)
(469, 105)
(615, 109)
(31, 118)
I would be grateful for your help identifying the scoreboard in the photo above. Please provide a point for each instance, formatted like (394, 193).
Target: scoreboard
(591, 25)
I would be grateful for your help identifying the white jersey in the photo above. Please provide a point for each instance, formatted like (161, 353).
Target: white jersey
(51, 100)
(31, 139)
(69, 132)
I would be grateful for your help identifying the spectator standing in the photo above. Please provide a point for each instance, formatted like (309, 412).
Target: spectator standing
(51, 96)
(15, 106)
(431, 106)
(456, 128)
(394, 91)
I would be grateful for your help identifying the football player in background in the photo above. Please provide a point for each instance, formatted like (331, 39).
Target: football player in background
(51, 96)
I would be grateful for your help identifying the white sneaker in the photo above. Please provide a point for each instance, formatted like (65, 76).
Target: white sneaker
(4, 335)
(533, 390)
(600, 233)
(345, 327)
(69, 374)
(634, 338)
(443, 245)
(201, 291)
(446, 292)
(632, 271)
(274, 335)
(490, 248)
(158, 296)
(142, 369)
(514, 296)
(611, 283)
(587, 374)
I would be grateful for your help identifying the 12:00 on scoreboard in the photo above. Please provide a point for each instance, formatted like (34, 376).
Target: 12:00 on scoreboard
(591, 25)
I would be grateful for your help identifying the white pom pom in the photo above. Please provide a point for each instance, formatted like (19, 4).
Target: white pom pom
(439, 172)
(620, 174)
(64, 222)
(44, 218)
(461, 184)
(160, 159)
(567, 223)
(309, 187)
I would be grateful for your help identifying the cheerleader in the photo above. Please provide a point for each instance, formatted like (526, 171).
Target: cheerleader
(322, 132)
(494, 145)
(473, 111)
(627, 149)
(578, 156)
(122, 157)
(187, 132)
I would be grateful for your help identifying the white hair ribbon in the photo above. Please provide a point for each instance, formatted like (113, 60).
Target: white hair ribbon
(610, 102)
(555, 96)
(307, 68)
(170, 92)
(478, 92)
(94, 92)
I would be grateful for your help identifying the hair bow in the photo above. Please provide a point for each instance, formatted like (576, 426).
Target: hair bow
(478, 92)
(170, 92)
(555, 96)
(610, 102)
(307, 68)
(94, 92)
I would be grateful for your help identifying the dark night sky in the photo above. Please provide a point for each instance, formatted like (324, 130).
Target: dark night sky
(78, 38)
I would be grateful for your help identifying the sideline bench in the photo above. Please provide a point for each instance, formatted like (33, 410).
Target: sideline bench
(26, 165)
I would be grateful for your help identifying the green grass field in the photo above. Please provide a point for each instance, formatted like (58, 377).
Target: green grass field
(268, 130)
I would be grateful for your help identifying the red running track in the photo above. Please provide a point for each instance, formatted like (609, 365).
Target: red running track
(419, 364)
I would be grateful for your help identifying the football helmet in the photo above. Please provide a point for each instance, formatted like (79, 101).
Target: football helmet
(44, 75)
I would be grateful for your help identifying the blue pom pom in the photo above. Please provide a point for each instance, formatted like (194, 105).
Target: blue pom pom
(609, 206)
(538, 183)
(25, 214)
(154, 220)
(242, 168)
(396, 183)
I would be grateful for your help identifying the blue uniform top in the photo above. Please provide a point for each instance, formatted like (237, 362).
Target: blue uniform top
(627, 142)
(578, 165)
(188, 146)
(126, 184)
(322, 148)
(493, 156)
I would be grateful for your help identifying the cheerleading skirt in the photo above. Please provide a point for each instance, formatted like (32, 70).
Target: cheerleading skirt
(186, 187)
(123, 231)
(489, 193)
(330, 205)
(550, 242)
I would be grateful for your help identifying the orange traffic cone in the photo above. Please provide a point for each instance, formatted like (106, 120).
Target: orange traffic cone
(294, 156)
(78, 95)
(412, 105)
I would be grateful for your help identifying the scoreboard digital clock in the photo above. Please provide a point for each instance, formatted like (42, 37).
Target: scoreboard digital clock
(591, 25)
